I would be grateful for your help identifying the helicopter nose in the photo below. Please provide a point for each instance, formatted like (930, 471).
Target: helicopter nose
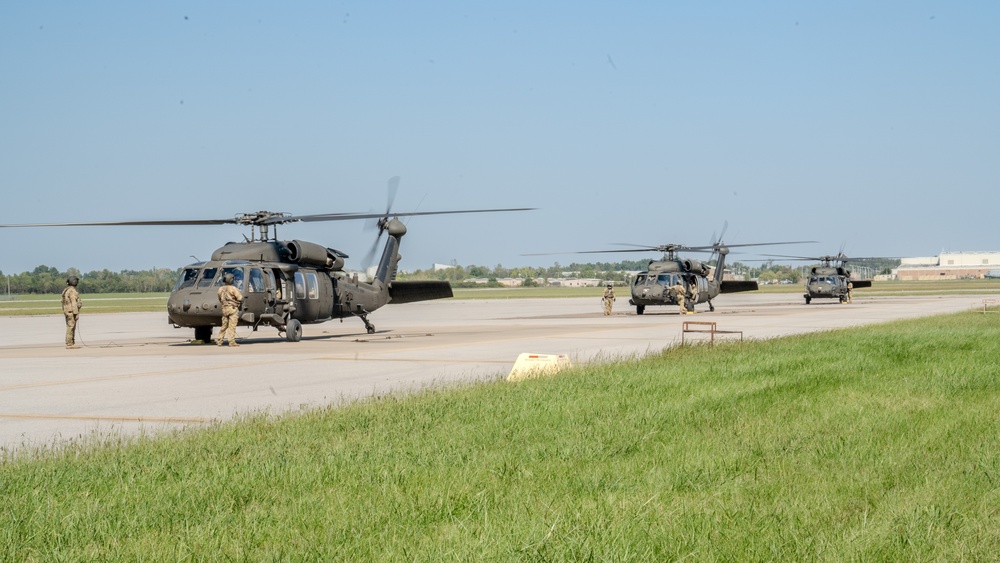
(186, 305)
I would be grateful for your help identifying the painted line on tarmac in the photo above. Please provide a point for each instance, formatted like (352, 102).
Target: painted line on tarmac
(97, 418)
(286, 361)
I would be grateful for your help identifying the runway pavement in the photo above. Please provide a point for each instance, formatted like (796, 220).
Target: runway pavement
(136, 373)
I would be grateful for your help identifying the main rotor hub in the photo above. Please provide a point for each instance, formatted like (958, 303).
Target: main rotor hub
(263, 218)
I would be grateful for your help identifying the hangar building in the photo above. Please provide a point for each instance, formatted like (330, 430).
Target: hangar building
(949, 266)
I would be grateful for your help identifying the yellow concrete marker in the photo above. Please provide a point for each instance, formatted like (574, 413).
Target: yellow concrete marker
(533, 365)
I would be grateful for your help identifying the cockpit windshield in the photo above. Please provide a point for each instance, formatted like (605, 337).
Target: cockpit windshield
(186, 279)
(237, 277)
(665, 279)
(207, 275)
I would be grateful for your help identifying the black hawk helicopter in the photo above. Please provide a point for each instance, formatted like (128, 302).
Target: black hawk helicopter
(831, 279)
(288, 283)
(702, 281)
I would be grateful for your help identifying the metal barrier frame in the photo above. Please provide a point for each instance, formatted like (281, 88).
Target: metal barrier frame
(706, 327)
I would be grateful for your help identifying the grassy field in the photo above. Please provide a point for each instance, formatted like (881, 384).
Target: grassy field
(93, 303)
(879, 443)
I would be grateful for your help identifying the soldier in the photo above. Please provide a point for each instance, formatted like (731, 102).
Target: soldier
(230, 297)
(694, 291)
(679, 292)
(608, 299)
(71, 304)
(850, 292)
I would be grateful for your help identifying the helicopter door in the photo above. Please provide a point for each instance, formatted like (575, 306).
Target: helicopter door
(307, 296)
(256, 299)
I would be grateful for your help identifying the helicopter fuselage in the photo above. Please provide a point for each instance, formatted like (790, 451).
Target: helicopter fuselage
(652, 287)
(701, 282)
(830, 282)
(286, 284)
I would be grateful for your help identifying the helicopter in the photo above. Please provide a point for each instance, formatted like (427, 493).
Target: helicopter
(830, 279)
(702, 281)
(288, 283)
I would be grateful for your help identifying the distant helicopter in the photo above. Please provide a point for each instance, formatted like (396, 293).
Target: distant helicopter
(286, 284)
(702, 281)
(830, 279)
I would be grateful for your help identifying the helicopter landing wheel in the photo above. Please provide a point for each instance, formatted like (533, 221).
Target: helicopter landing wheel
(640, 309)
(293, 331)
(711, 308)
(368, 325)
(808, 299)
(203, 333)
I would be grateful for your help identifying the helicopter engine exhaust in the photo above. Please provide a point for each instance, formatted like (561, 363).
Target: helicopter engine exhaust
(695, 267)
(311, 254)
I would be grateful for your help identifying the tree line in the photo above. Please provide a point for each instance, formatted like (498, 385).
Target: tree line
(48, 279)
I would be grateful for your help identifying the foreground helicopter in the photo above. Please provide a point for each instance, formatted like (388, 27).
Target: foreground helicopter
(286, 284)
(830, 279)
(702, 280)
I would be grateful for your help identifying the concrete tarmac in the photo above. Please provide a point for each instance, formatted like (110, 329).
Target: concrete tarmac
(136, 373)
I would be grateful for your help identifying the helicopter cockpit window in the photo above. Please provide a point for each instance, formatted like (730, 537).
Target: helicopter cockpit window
(187, 279)
(664, 279)
(207, 275)
(312, 285)
(300, 286)
(640, 279)
(257, 281)
(237, 277)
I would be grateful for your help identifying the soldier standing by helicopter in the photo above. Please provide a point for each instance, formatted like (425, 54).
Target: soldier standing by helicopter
(71, 304)
(230, 297)
(850, 291)
(608, 299)
(680, 293)
(694, 291)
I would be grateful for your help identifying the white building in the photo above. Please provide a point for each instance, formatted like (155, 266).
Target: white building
(949, 266)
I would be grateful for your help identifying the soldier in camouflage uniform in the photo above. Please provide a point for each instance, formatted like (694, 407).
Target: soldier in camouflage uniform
(230, 297)
(850, 292)
(608, 299)
(680, 293)
(71, 305)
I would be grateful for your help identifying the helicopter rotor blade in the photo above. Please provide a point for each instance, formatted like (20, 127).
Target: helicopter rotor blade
(669, 248)
(644, 249)
(720, 243)
(356, 216)
(185, 222)
(261, 218)
(393, 190)
(793, 257)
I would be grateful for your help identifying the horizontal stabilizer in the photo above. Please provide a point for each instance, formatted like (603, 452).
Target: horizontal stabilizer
(861, 283)
(730, 286)
(411, 291)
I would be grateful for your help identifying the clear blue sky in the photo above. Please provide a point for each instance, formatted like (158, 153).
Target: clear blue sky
(869, 125)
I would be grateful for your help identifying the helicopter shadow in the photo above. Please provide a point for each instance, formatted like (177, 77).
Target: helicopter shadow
(377, 336)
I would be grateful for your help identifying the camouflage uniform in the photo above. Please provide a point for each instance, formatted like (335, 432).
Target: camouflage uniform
(608, 299)
(694, 292)
(230, 297)
(850, 292)
(71, 305)
(680, 293)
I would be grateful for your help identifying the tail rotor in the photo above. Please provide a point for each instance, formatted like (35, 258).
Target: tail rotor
(382, 223)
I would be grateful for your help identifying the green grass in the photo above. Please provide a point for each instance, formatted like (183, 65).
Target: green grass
(92, 303)
(879, 443)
